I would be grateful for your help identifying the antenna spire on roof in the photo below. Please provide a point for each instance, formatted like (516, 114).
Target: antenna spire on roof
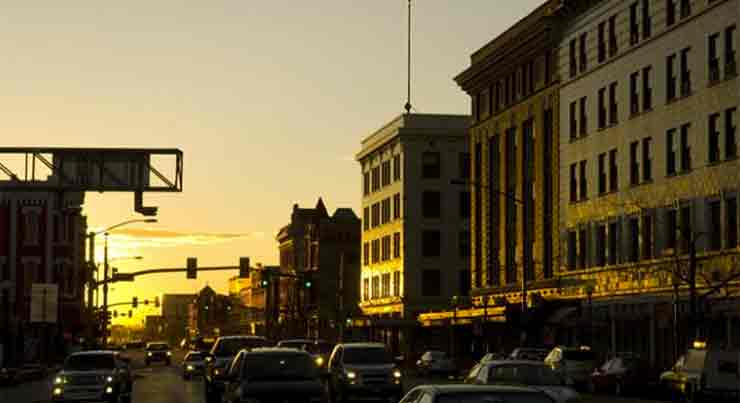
(408, 64)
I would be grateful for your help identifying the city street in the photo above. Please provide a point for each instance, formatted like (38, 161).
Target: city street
(164, 384)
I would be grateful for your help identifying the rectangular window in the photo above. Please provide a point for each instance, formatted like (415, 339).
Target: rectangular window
(583, 180)
(602, 173)
(465, 205)
(431, 165)
(583, 56)
(613, 49)
(396, 167)
(731, 230)
(396, 283)
(582, 123)
(430, 243)
(387, 247)
(713, 58)
(671, 228)
(601, 52)
(685, 8)
(647, 236)
(670, 13)
(375, 213)
(31, 228)
(613, 112)
(613, 236)
(647, 91)
(685, 73)
(601, 245)
(634, 164)
(670, 76)
(715, 220)
(385, 208)
(573, 184)
(366, 183)
(730, 63)
(396, 245)
(714, 138)
(464, 168)
(685, 228)
(573, 121)
(464, 282)
(646, 20)
(376, 287)
(386, 173)
(613, 171)
(463, 242)
(670, 157)
(375, 244)
(573, 62)
(647, 160)
(385, 285)
(366, 253)
(634, 95)
(431, 204)
(602, 108)
(396, 206)
(582, 252)
(572, 246)
(685, 148)
(366, 218)
(634, 239)
(730, 129)
(366, 289)
(634, 25)
(431, 283)
(376, 178)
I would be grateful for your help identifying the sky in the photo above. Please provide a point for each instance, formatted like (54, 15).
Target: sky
(268, 100)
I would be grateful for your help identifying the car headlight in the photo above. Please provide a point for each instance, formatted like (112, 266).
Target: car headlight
(57, 391)
(319, 361)
(148, 354)
(190, 368)
(209, 359)
(397, 373)
(216, 371)
(169, 353)
(109, 389)
(109, 379)
(59, 380)
(350, 375)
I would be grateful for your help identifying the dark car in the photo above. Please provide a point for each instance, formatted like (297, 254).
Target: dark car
(93, 376)
(363, 370)
(193, 364)
(475, 394)
(219, 359)
(272, 375)
(622, 374)
(158, 352)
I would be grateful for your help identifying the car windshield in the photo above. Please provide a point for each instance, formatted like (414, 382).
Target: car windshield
(194, 357)
(579, 355)
(279, 367)
(492, 397)
(367, 355)
(89, 362)
(301, 345)
(229, 347)
(157, 347)
(538, 375)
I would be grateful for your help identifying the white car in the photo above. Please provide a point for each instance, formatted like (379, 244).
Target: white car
(707, 375)
(533, 374)
(576, 364)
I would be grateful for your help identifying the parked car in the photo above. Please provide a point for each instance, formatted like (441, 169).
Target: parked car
(474, 393)
(158, 352)
(193, 364)
(320, 351)
(93, 376)
(530, 354)
(621, 374)
(363, 370)
(491, 357)
(576, 364)
(534, 374)
(273, 375)
(704, 375)
(435, 362)
(218, 360)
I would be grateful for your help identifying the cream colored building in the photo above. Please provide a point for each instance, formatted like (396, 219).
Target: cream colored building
(415, 234)
(648, 160)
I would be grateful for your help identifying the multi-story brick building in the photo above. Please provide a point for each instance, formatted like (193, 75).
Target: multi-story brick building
(175, 316)
(42, 240)
(648, 150)
(415, 236)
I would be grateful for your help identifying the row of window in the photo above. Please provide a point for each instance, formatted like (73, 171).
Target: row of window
(647, 236)
(380, 176)
(678, 156)
(379, 250)
(381, 286)
(380, 213)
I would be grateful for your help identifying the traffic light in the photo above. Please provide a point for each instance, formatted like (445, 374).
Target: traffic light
(243, 267)
(192, 268)
(156, 302)
(115, 314)
(307, 283)
(264, 283)
(146, 302)
(135, 302)
(130, 314)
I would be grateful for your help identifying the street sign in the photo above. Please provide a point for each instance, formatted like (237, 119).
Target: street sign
(192, 268)
(123, 277)
(44, 302)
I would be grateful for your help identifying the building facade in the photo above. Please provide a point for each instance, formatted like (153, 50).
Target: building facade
(513, 85)
(319, 267)
(415, 235)
(42, 241)
(175, 316)
(649, 174)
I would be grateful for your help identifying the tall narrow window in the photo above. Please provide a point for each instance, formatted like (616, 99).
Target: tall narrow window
(731, 231)
(396, 167)
(396, 283)
(715, 221)
(602, 108)
(583, 124)
(647, 236)
(685, 8)
(670, 158)
(602, 173)
(396, 245)
(583, 56)
(671, 235)
(386, 173)
(376, 178)
(685, 228)
(670, 12)
(670, 76)
(396, 206)
(582, 245)
(366, 183)
(647, 91)
(583, 180)
(366, 253)
(573, 122)
(573, 184)
(366, 218)
(634, 164)
(713, 58)
(646, 21)
(634, 95)
(573, 62)
(730, 129)
(647, 161)
(431, 206)
(730, 63)
(601, 53)
(634, 25)
(601, 245)
(634, 238)
(685, 148)
(685, 73)
(613, 112)
(613, 171)
(714, 137)
(613, 49)
(613, 246)
(572, 249)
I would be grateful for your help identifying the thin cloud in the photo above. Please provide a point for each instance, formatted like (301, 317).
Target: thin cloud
(158, 238)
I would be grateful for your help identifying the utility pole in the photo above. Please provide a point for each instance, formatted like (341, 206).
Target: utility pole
(91, 267)
(105, 291)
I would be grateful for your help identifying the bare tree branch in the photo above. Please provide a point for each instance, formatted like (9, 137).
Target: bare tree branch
(721, 284)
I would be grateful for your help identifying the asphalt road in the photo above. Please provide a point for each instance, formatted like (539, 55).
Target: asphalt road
(159, 383)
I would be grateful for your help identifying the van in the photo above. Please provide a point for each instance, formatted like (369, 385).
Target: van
(704, 375)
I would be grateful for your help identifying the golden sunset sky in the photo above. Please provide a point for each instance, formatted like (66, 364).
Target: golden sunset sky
(267, 99)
